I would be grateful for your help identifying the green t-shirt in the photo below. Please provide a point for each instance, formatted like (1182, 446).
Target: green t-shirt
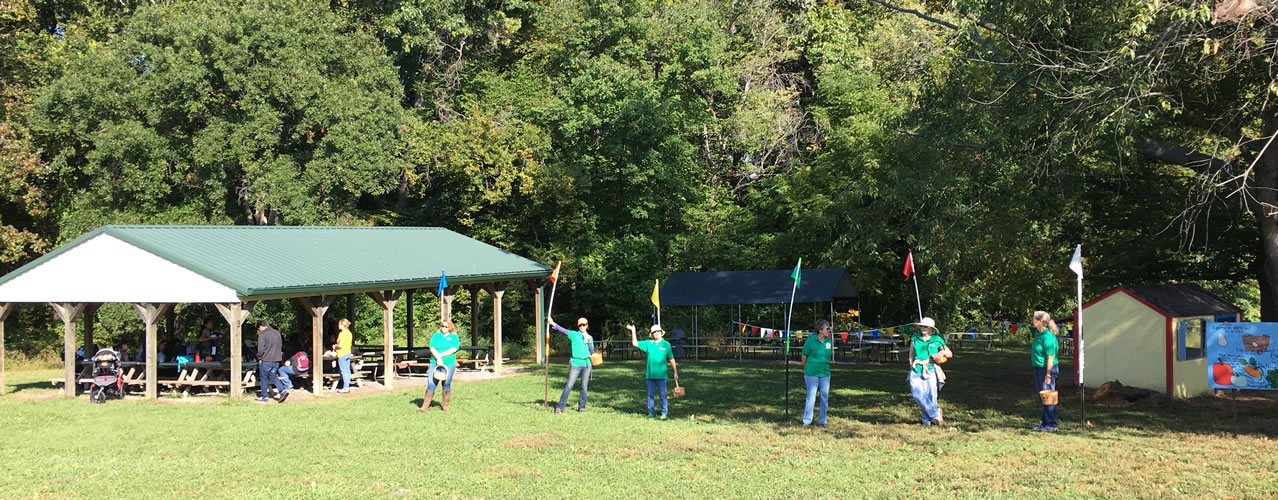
(818, 354)
(441, 342)
(1044, 345)
(580, 351)
(925, 349)
(659, 352)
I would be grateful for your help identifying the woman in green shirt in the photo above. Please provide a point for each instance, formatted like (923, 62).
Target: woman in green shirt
(816, 371)
(926, 348)
(659, 352)
(444, 345)
(583, 345)
(1043, 357)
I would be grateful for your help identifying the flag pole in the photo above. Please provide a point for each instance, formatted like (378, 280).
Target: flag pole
(917, 300)
(1076, 265)
(554, 284)
(789, 314)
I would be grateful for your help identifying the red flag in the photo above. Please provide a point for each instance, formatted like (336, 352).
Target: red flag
(554, 275)
(909, 265)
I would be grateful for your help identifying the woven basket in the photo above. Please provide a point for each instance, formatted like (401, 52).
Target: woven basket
(1049, 397)
(678, 392)
(596, 359)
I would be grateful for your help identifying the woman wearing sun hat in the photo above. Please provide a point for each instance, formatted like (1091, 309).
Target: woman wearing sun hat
(583, 345)
(927, 349)
(659, 352)
(1043, 354)
(444, 345)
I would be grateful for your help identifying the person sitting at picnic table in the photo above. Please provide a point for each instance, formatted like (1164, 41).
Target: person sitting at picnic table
(343, 352)
(444, 345)
(269, 342)
(207, 343)
(659, 352)
(292, 367)
(583, 345)
(927, 349)
(817, 351)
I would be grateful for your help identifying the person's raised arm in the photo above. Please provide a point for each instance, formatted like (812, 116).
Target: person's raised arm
(634, 339)
(556, 326)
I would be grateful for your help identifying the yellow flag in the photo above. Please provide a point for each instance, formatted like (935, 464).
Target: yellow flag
(656, 293)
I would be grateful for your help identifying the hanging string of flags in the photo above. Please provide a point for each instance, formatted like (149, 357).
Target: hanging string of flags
(750, 330)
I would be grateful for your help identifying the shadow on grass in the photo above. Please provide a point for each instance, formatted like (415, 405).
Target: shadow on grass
(43, 385)
(986, 390)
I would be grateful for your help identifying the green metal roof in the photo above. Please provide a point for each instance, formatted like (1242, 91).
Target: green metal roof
(259, 261)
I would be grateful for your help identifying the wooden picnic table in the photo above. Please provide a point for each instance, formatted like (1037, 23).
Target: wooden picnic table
(961, 339)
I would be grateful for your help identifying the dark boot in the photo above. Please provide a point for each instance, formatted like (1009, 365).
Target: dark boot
(448, 394)
(426, 401)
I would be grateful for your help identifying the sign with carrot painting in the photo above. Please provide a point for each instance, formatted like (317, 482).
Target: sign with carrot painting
(1240, 356)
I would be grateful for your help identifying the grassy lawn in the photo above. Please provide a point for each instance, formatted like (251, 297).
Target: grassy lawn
(728, 438)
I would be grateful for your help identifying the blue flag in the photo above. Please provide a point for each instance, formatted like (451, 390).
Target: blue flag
(443, 282)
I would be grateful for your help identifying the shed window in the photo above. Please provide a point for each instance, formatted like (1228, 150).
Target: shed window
(1191, 338)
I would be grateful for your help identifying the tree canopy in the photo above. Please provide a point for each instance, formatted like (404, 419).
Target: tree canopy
(634, 138)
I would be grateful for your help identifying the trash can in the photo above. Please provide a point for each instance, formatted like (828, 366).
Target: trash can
(676, 340)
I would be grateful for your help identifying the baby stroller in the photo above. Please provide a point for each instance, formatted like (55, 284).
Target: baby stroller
(108, 380)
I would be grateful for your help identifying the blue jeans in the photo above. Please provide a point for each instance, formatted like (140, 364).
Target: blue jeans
(284, 372)
(815, 385)
(924, 392)
(1049, 411)
(344, 363)
(657, 386)
(448, 383)
(573, 373)
(266, 370)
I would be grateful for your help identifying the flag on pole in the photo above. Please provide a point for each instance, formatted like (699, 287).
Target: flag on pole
(909, 265)
(656, 294)
(797, 271)
(554, 275)
(443, 282)
(1076, 263)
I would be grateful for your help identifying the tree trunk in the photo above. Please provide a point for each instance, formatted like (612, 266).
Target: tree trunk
(1263, 191)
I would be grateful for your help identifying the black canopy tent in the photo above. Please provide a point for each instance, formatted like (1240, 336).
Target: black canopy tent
(755, 287)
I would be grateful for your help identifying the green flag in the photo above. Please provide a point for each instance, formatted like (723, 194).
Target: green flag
(797, 271)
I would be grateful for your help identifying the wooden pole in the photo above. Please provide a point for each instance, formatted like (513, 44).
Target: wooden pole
(538, 321)
(497, 290)
(316, 307)
(408, 295)
(235, 314)
(387, 300)
(90, 312)
(6, 308)
(68, 312)
(450, 293)
(474, 314)
(151, 313)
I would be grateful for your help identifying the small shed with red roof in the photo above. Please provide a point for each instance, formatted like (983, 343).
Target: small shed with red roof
(1151, 336)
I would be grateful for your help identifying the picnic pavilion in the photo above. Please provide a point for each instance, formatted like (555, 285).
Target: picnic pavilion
(235, 267)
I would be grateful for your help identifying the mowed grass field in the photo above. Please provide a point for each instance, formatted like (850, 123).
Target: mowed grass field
(728, 439)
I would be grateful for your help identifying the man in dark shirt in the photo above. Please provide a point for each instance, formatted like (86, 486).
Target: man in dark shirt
(269, 344)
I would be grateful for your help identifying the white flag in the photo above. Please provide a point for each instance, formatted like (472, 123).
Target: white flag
(1076, 263)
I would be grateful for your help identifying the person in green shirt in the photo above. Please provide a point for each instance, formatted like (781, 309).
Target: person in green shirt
(444, 345)
(926, 348)
(817, 351)
(1043, 357)
(659, 352)
(583, 345)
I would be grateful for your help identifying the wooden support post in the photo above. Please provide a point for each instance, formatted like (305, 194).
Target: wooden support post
(151, 313)
(387, 300)
(474, 314)
(90, 313)
(450, 292)
(68, 312)
(497, 290)
(235, 314)
(350, 308)
(6, 308)
(316, 307)
(538, 321)
(408, 295)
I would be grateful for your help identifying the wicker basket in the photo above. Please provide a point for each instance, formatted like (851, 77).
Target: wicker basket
(1049, 397)
(596, 359)
(1256, 343)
